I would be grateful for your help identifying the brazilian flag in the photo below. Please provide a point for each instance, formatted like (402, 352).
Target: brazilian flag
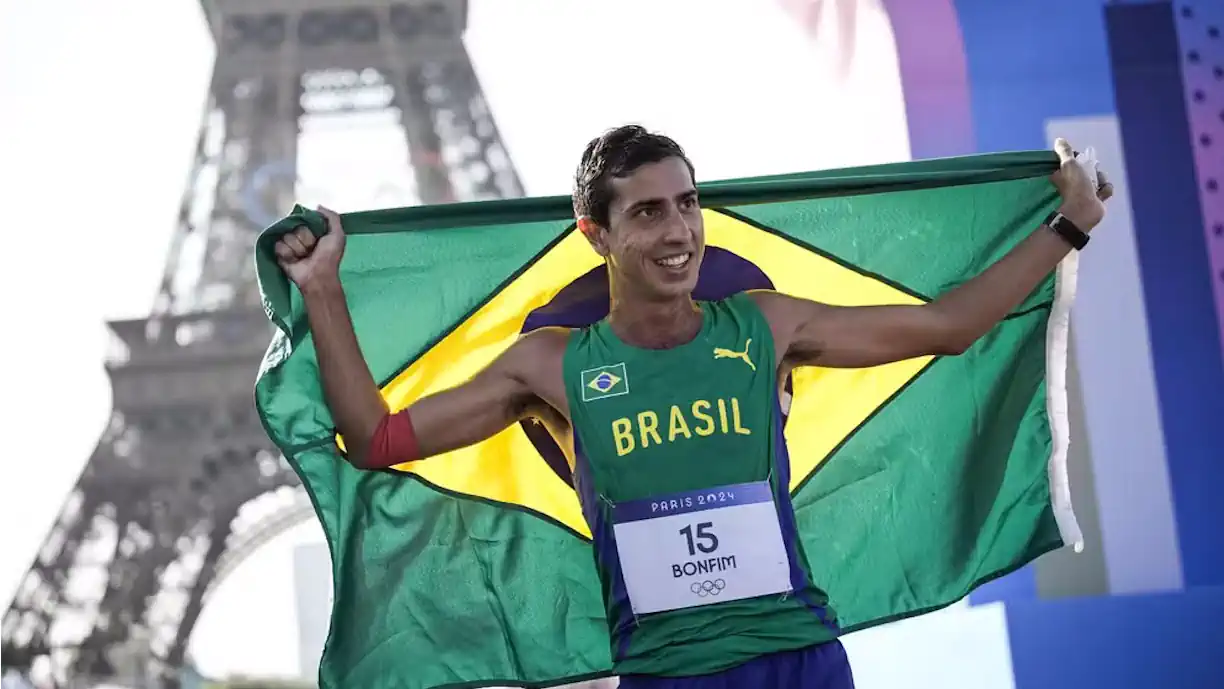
(913, 482)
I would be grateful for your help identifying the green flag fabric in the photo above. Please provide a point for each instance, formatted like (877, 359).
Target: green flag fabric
(912, 482)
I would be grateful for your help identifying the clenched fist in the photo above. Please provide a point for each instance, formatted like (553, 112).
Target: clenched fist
(307, 260)
(1083, 198)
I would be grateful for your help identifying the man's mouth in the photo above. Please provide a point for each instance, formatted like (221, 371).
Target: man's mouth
(674, 260)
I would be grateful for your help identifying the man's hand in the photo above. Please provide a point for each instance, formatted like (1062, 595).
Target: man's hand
(307, 260)
(1083, 200)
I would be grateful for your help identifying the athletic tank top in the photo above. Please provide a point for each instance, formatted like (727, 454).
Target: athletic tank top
(683, 475)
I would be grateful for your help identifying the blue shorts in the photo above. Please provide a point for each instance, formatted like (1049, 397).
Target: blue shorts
(824, 666)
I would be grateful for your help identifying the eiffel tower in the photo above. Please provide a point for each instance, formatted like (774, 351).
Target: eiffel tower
(160, 513)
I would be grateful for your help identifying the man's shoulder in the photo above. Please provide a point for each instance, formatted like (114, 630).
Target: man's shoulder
(770, 301)
(540, 345)
(767, 301)
(780, 311)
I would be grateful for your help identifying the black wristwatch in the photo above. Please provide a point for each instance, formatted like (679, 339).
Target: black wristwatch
(1066, 229)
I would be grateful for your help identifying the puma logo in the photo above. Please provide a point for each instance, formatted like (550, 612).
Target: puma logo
(722, 353)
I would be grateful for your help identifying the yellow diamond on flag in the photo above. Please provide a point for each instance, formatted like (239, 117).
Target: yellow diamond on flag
(828, 405)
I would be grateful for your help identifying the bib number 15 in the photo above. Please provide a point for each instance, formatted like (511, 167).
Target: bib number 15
(702, 539)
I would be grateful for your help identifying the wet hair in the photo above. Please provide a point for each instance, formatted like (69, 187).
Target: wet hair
(617, 153)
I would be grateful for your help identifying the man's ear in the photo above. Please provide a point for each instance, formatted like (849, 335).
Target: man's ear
(596, 235)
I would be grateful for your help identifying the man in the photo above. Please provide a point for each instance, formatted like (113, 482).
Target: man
(699, 440)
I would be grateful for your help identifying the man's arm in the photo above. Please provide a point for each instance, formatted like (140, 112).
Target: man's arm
(374, 438)
(478, 409)
(352, 396)
(813, 334)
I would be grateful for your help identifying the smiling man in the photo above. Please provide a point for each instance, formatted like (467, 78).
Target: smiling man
(670, 410)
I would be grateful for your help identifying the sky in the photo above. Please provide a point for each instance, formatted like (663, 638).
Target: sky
(102, 105)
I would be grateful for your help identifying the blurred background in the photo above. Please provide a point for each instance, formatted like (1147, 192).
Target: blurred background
(150, 537)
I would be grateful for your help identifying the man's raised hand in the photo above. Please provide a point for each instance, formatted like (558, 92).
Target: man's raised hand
(1083, 199)
(307, 260)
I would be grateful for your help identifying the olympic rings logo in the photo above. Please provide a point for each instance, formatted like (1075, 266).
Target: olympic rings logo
(708, 588)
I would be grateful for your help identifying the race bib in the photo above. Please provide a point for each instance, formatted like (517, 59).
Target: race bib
(701, 547)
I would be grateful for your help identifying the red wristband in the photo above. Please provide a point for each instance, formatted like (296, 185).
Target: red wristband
(394, 442)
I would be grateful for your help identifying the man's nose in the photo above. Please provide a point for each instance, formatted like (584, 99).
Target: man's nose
(678, 229)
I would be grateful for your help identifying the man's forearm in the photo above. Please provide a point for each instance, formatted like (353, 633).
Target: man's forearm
(352, 396)
(974, 307)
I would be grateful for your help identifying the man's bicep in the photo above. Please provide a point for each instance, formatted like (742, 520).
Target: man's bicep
(816, 334)
(464, 415)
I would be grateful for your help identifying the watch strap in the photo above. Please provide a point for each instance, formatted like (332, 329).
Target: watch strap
(1063, 227)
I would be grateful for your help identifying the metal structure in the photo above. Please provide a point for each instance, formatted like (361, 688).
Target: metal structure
(170, 500)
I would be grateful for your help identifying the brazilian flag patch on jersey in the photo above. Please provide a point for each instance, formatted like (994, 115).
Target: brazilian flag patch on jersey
(605, 381)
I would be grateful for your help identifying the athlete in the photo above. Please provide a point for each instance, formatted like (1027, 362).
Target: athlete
(670, 409)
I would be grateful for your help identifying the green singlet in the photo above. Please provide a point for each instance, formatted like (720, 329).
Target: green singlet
(683, 474)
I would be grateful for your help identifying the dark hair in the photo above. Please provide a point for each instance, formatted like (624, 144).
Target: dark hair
(617, 153)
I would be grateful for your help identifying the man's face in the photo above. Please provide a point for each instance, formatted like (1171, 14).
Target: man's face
(655, 239)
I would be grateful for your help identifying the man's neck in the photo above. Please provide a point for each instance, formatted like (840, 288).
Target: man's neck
(655, 324)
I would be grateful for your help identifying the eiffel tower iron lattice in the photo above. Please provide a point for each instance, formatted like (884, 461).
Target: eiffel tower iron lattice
(162, 511)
